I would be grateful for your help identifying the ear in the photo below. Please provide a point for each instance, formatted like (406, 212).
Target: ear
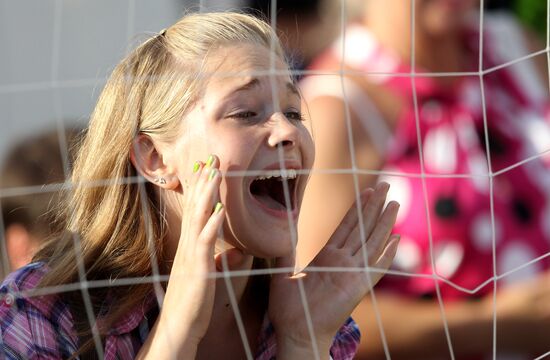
(19, 245)
(148, 161)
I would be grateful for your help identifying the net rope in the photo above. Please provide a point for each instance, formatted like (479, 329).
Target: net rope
(157, 278)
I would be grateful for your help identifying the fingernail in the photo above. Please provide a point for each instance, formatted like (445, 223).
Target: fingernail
(213, 173)
(210, 160)
(218, 208)
(383, 186)
(196, 166)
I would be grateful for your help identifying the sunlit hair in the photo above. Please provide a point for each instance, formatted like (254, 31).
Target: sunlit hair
(150, 92)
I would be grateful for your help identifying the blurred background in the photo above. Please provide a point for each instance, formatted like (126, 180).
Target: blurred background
(57, 53)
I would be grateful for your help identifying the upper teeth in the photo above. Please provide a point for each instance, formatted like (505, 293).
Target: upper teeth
(283, 174)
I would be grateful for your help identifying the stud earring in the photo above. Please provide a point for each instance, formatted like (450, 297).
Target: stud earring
(161, 181)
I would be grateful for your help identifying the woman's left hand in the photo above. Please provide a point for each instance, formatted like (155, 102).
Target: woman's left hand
(332, 294)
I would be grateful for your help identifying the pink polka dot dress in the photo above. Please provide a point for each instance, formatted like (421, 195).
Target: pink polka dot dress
(463, 215)
(451, 224)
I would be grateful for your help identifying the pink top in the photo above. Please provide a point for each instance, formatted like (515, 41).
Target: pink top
(457, 241)
(451, 127)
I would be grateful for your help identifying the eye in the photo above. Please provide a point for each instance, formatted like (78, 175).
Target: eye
(294, 115)
(244, 115)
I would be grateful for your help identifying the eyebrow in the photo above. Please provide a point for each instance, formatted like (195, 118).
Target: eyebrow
(290, 86)
(254, 82)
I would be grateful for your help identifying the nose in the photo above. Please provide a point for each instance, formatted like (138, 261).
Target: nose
(283, 133)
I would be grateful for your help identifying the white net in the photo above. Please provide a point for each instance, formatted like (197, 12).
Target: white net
(62, 86)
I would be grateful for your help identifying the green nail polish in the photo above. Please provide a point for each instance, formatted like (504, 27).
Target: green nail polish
(213, 173)
(196, 166)
(210, 160)
(218, 208)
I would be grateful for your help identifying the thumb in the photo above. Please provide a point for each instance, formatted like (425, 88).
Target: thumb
(231, 259)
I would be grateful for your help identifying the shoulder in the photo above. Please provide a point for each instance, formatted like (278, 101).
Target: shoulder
(507, 43)
(326, 74)
(33, 325)
(346, 341)
(26, 277)
(16, 290)
(507, 39)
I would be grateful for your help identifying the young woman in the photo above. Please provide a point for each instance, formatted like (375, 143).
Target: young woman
(218, 136)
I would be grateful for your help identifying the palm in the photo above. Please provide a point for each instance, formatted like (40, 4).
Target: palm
(332, 295)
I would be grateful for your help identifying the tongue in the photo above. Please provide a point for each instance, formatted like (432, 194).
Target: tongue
(270, 193)
(269, 202)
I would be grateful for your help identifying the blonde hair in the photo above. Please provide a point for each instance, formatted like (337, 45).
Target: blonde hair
(149, 92)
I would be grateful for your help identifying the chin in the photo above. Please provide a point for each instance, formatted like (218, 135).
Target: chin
(262, 240)
(270, 247)
(271, 253)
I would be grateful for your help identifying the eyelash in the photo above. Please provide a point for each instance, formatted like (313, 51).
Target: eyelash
(295, 115)
(291, 115)
(244, 115)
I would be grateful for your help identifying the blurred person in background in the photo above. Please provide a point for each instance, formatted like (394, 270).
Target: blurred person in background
(28, 219)
(306, 27)
(369, 122)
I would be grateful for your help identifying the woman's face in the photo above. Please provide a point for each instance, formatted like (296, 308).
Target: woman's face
(433, 18)
(252, 122)
(442, 17)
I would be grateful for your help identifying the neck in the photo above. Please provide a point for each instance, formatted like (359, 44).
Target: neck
(232, 287)
(223, 330)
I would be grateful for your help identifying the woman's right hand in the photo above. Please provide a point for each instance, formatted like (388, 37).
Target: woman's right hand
(189, 299)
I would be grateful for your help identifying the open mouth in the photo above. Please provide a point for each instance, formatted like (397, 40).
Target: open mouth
(269, 189)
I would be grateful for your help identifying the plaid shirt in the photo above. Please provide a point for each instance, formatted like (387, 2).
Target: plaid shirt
(43, 327)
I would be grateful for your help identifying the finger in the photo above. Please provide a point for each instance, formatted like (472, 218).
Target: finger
(380, 235)
(231, 259)
(187, 179)
(349, 221)
(385, 260)
(354, 240)
(206, 197)
(197, 170)
(207, 239)
(370, 215)
(205, 174)
(372, 212)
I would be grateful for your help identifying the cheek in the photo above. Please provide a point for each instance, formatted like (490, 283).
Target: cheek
(232, 163)
(231, 196)
(235, 152)
(189, 148)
